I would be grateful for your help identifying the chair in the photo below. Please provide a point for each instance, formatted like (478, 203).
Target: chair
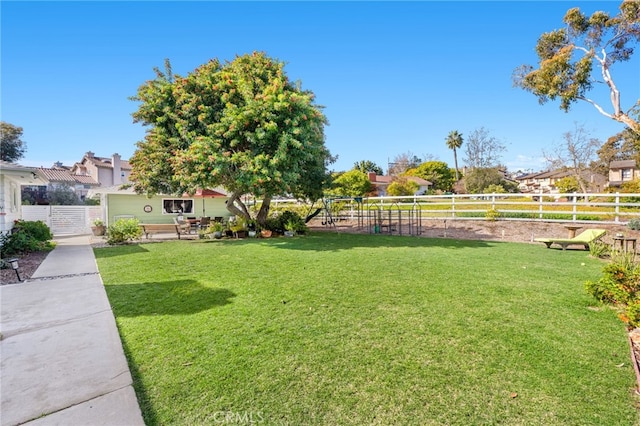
(204, 222)
(584, 238)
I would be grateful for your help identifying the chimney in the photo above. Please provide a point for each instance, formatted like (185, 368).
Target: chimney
(89, 154)
(117, 172)
(372, 176)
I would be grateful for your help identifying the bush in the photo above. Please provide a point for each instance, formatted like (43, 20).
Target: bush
(26, 237)
(634, 224)
(620, 287)
(124, 231)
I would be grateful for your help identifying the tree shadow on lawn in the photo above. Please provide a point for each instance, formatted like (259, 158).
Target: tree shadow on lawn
(165, 298)
(330, 241)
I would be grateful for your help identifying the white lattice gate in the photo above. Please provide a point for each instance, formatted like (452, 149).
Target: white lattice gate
(63, 220)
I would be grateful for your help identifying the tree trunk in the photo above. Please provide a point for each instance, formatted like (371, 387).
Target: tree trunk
(455, 161)
(237, 210)
(264, 211)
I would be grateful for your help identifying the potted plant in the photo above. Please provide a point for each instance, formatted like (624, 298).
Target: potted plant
(217, 228)
(252, 228)
(290, 228)
(98, 227)
(239, 227)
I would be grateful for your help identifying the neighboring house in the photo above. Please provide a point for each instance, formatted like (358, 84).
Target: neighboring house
(12, 177)
(106, 171)
(545, 182)
(381, 183)
(117, 203)
(623, 171)
(59, 176)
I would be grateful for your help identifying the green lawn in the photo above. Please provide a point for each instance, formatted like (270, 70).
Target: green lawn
(336, 329)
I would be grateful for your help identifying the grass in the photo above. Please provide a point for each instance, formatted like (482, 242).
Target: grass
(360, 329)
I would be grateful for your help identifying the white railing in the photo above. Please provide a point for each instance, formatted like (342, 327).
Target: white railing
(601, 207)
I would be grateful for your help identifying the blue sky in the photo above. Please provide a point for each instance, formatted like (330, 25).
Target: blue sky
(394, 77)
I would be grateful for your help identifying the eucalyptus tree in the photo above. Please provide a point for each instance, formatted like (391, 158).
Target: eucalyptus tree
(570, 55)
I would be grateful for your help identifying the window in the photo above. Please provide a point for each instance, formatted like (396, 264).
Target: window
(177, 205)
(627, 174)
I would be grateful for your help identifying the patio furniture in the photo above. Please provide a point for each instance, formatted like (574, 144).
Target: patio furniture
(584, 239)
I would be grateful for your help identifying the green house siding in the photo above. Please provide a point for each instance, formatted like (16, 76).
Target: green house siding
(133, 205)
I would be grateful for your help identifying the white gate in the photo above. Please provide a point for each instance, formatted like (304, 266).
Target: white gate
(64, 220)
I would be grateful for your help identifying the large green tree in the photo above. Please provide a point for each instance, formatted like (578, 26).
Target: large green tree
(12, 147)
(367, 166)
(454, 142)
(437, 172)
(568, 57)
(241, 125)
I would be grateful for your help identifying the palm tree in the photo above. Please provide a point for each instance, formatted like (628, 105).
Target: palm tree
(454, 141)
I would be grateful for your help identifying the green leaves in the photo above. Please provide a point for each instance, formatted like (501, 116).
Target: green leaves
(240, 125)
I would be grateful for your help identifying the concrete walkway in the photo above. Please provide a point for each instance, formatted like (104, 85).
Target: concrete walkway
(62, 358)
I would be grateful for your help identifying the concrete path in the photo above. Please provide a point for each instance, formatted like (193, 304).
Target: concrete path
(62, 358)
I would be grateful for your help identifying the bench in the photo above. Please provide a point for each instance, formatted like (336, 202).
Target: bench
(157, 228)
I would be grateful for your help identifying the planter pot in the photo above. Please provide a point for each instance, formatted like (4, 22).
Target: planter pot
(241, 234)
(217, 235)
(289, 233)
(265, 233)
(252, 234)
(98, 230)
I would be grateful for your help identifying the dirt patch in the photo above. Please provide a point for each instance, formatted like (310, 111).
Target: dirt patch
(500, 230)
(28, 264)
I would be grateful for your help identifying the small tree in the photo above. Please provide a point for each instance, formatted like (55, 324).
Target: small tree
(476, 180)
(403, 162)
(575, 153)
(12, 147)
(568, 184)
(437, 172)
(402, 186)
(351, 184)
(483, 150)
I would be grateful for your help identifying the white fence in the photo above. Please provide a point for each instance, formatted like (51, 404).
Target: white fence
(571, 207)
(64, 220)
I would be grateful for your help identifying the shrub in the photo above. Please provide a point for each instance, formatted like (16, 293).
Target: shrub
(123, 231)
(634, 224)
(620, 287)
(599, 249)
(291, 220)
(26, 237)
(492, 215)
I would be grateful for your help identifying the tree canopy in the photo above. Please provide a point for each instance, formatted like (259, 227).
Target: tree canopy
(367, 166)
(353, 183)
(437, 172)
(12, 147)
(241, 125)
(568, 56)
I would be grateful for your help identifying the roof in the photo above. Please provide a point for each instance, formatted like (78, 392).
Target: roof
(385, 180)
(65, 176)
(622, 164)
(127, 189)
(23, 175)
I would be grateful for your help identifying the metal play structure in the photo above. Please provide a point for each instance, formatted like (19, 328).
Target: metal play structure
(373, 217)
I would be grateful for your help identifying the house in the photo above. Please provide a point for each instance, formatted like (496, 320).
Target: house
(381, 183)
(623, 171)
(545, 182)
(58, 177)
(12, 177)
(106, 171)
(121, 201)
